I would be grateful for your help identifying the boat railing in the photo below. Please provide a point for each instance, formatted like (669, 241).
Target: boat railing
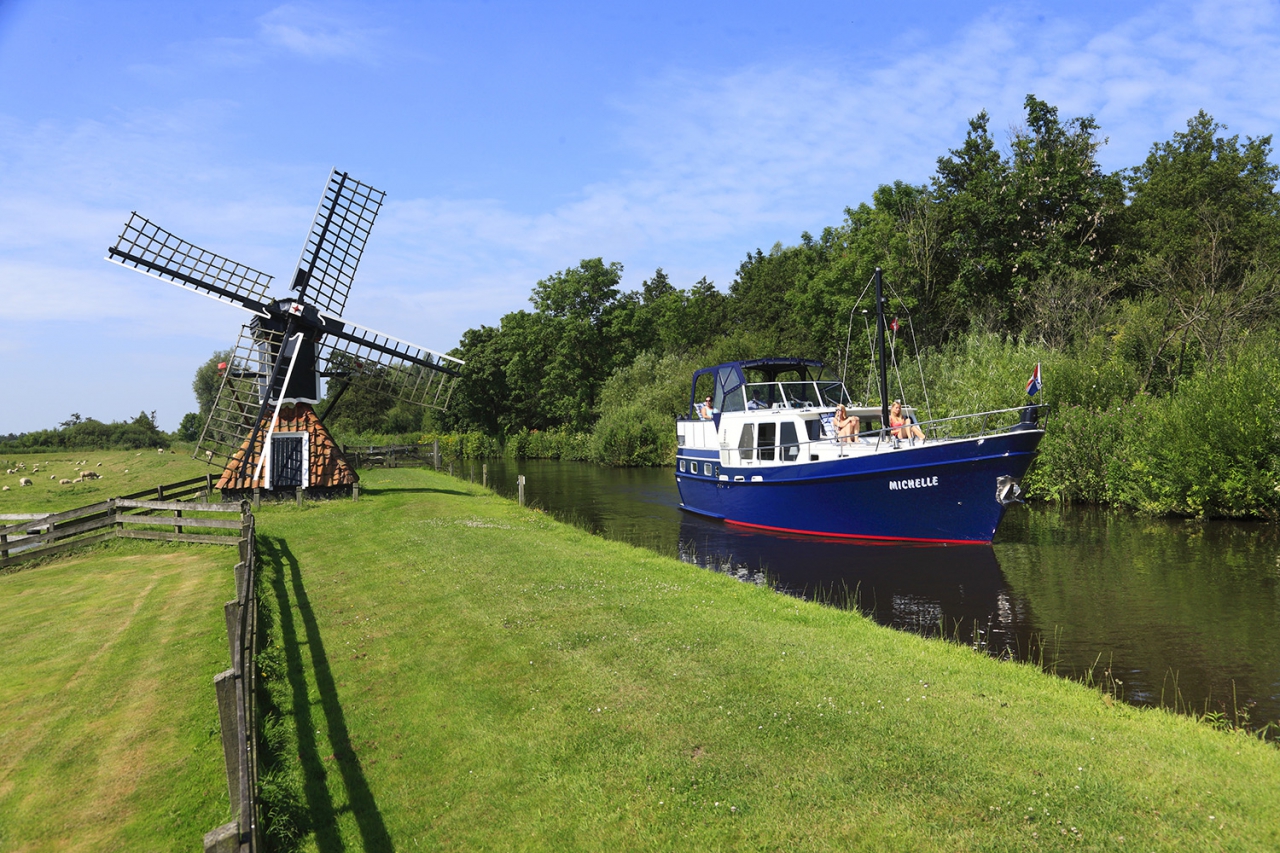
(812, 393)
(953, 428)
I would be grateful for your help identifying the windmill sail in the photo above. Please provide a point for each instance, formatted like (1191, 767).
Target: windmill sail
(336, 241)
(388, 365)
(145, 246)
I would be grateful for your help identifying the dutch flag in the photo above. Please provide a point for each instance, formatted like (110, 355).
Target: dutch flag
(1033, 384)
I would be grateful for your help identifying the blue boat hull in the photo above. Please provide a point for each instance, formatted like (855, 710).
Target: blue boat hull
(944, 492)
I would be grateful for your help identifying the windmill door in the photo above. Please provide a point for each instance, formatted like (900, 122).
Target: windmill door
(288, 461)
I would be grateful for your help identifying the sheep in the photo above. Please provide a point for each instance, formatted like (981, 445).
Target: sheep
(89, 475)
(99, 464)
(78, 480)
(6, 488)
(53, 476)
(25, 481)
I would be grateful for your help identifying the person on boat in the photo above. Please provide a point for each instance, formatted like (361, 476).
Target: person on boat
(846, 424)
(901, 426)
(706, 412)
(754, 403)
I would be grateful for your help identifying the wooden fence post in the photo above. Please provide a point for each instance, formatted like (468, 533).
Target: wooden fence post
(177, 528)
(435, 452)
(257, 497)
(355, 491)
(471, 472)
(225, 685)
(451, 469)
(484, 475)
(520, 487)
(231, 613)
(208, 488)
(297, 493)
(159, 493)
(224, 839)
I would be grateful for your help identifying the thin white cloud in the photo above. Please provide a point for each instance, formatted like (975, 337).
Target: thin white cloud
(315, 33)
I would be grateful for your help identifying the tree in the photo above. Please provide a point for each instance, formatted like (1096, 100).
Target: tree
(207, 382)
(1205, 232)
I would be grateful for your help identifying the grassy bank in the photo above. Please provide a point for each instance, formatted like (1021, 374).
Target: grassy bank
(459, 673)
(108, 721)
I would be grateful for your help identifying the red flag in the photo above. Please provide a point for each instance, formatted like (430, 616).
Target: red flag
(894, 325)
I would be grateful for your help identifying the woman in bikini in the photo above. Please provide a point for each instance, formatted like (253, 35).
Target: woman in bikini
(901, 427)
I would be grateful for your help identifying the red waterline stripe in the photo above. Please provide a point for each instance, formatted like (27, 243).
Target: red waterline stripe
(856, 535)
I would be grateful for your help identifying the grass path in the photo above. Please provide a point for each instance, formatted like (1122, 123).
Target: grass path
(108, 720)
(459, 673)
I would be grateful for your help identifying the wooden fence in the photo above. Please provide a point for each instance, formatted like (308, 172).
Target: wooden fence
(236, 688)
(238, 706)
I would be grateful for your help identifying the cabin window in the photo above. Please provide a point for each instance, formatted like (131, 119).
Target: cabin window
(706, 468)
(747, 442)
(813, 428)
(681, 464)
(790, 444)
(768, 438)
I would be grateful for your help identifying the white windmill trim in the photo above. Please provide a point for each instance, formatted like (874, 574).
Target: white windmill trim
(215, 297)
(266, 442)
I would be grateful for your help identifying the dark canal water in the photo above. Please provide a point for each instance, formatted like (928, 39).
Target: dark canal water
(1183, 614)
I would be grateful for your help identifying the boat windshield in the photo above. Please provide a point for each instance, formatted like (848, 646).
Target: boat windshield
(794, 395)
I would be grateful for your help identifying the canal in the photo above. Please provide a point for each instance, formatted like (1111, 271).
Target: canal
(1164, 612)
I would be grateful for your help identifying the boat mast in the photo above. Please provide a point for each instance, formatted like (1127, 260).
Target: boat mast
(884, 375)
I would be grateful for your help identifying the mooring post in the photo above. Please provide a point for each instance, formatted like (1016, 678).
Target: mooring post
(520, 487)
(435, 452)
(471, 472)
(484, 475)
(450, 469)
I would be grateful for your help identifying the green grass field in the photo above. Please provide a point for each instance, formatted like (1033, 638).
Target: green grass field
(455, 672)
(108, 719)
(122, 472)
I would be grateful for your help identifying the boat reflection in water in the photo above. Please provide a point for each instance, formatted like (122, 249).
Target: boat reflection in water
(956, 590)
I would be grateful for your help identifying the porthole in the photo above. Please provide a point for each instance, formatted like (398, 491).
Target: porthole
(706, 468)
(681, 465)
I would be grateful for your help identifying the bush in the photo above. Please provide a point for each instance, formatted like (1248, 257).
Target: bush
(556, 443)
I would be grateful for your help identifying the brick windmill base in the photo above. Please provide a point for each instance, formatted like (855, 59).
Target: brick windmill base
(303, 455)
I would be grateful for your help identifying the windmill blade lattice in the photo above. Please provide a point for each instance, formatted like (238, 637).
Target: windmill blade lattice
(238, 404)
(389, 365)
(333, 248)
(145, 246)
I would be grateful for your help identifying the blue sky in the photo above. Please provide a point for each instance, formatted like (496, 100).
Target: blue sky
(513, 140)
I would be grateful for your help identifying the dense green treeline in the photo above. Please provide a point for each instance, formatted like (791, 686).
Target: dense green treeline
(1150, 294)
(79, 433)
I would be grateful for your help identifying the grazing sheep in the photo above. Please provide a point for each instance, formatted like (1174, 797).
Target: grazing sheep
(6, 488)
(99, 464)
(126, 470)
(64, 482)
(53, 476)
(90, 475)
(25, 481)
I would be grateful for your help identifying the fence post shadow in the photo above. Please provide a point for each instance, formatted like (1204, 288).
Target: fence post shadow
(290, 592)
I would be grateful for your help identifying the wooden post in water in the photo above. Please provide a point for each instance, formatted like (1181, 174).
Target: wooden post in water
(471, 472)
(520, 487)
(484, 475)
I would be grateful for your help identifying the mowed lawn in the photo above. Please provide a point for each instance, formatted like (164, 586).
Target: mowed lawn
(108, 718)
(459, 673)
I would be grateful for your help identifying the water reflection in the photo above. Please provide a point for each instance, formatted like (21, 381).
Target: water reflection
(1181, 614)
(957, 591)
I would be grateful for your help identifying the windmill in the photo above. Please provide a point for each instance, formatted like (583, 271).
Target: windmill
(263, 428)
